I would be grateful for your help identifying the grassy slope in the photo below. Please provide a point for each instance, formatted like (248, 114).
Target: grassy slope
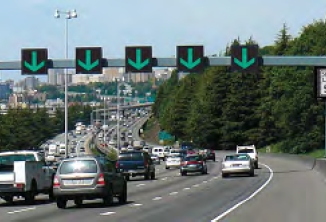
(151, 130)
(318, 153)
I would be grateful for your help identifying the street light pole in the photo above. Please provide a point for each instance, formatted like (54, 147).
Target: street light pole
(69, 15)
(118, 116)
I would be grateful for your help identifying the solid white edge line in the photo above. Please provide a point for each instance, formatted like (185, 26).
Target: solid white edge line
(219, 217)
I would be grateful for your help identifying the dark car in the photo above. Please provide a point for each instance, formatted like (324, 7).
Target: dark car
(136, 163)
(210, 155)
(87, 178)
(193, 164)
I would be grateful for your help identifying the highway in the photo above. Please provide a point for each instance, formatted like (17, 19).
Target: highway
(283, 189)
(200, 198)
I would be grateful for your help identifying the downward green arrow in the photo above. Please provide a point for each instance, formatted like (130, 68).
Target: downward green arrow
(88, 64)
(34, 66)
(244, 63)
(138, 64)
(190, 63)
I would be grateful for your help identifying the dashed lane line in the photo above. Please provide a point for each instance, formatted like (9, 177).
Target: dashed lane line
(139, 185)
(157, 198)
(173, 193)
(186, 188)
(107, 213)
(22, 210)
(136, 205)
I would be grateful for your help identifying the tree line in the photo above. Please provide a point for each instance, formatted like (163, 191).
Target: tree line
(27, 128)
(219, 109)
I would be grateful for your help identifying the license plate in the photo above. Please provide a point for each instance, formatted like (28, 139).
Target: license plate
(192, 166)
(236, 165)
(77, 182)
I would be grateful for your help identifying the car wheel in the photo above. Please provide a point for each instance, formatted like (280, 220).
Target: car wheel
(183, 173)
(214, 160)
(8, 199)
(256, 165)
(152, 175)
(61, 203)
(127, 177)
(108, 198)
(252, 173)
(123, 196)
(167, 167)
(30, 195)
(78, 202)
(225, 175)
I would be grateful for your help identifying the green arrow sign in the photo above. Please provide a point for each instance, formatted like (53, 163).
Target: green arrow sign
(88, 64)
(190, 63)
(34, 66)
(138, 64)
(244, 63)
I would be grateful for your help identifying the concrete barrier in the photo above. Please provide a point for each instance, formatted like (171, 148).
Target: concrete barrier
(321, 166)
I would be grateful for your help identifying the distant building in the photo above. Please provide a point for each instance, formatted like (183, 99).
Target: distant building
(5, 90)
(30, 83)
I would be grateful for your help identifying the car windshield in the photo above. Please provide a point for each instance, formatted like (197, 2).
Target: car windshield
(130, 157)
(246, 151)
(193, 158)
(78, 166)
(237, 158)
(9, 159)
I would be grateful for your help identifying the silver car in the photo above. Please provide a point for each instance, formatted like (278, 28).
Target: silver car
(237, 164)
(155, 158)
(87, 178)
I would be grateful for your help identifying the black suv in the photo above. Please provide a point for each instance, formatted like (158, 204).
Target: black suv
(136, 163)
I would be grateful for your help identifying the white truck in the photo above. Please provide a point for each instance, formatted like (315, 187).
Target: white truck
(24, 174)
(53, 149)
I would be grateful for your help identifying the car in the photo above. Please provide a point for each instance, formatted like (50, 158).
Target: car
(192, 164)
(251, 151)
(173, 161)
(155, 158)
(237, 164)
(210, 155)
(88, 178)
(136, 163)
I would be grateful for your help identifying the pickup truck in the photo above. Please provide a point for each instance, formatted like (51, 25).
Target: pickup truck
(136, 163)
(24, 174)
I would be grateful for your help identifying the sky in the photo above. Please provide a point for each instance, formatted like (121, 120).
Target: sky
(114, 24)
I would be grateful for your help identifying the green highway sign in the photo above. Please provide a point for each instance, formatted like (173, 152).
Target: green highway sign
(245, 58)
(89, 60)
(34, 61)
(138, 59)
(190, 58)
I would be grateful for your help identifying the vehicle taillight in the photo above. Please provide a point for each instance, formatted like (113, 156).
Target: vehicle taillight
(184, 163)
(19, 185)
(145, 163)
(101, 181)
(117, 164)
(56, 182)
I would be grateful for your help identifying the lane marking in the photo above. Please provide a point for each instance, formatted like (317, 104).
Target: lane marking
(165, 178)
(186, 188)
(139, 185)
(173, 193)
(157, 198)
(205, 181)
(107, 213)
(271, 174)
(22, 210)
(137, 204)
(196, 185)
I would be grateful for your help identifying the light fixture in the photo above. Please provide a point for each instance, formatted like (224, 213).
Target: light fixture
(57, 14)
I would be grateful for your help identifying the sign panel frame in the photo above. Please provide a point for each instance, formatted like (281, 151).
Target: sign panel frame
(191, 58)
(245, 58)
(138, 59)
(89, 60)
(34, 61)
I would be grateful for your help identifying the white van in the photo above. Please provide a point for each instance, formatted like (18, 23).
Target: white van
(159, 151)
(251, 151)
(53, 149)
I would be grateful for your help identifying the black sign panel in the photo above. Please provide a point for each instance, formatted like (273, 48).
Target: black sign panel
(34, 61)
(244, 58)
(190, 58)
(320, 82)
(89, 60)
(138, 59)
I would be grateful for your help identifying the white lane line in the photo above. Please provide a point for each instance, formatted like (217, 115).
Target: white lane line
(186, 188)
(22, 210)
(165, 178)
(205, 181)
(107, 213)
(139, 185)
(196, 185)
(136, 205)
(173, 193)
(157, 198)
(219, 217)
